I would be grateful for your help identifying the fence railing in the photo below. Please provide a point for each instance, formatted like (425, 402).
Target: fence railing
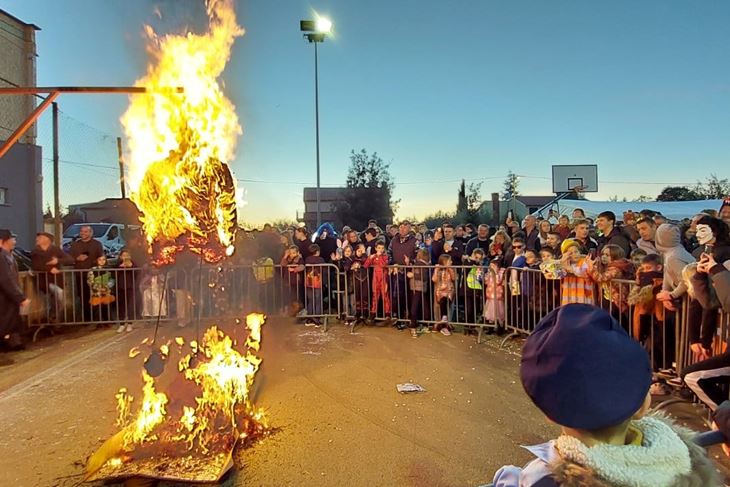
(470, 297)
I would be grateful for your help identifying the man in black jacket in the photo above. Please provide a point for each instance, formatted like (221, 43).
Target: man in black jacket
(532, 234)
(481, 241)
(11, 296)
(402, 250)
(611, 234)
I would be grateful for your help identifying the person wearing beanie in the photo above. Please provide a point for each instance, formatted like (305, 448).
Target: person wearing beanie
(584, 372)
(576, 285)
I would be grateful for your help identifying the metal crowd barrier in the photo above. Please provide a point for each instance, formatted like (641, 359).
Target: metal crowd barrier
(134, 295)
(409, 295)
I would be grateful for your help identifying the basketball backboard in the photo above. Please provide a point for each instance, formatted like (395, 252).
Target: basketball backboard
(581, 178)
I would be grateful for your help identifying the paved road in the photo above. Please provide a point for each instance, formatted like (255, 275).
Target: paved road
(332, 394)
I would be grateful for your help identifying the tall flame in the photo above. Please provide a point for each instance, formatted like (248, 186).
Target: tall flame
(179, 143)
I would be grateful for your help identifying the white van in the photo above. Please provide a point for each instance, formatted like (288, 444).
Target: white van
(109, 234)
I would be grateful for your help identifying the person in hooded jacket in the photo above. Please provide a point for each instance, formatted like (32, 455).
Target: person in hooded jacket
(676, 257)
(326, 238)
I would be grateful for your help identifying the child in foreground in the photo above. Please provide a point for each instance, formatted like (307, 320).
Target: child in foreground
(609, 438)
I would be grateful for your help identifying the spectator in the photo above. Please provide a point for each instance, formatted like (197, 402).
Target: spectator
(449, 245)
(402, 252)
(629, 226)
(669, 245)
(313, 285)
(469, 231)
(649, 278)
(578, 213)
(444, 279)
(724, 212)
(637, 256)
(532, 234)
(500, 247)
(610, 233)
(647, 233)
(420, 284)
(292, 268)
(608, 437)
(379, 262)
(481, 241)
(352, 239)
(474, 289)
(576, 286)
(370, 237)
(553, 241)
(710, 378)
(46, 261)
(86, 252)
(12, 298)
(327, 241)
(461, 234)
(660, 219)
(102, 284)
(494, 292)
(582, 237)
(544, 228)
(360, 283)
(563, 227)
(302, 240)
(613, 266)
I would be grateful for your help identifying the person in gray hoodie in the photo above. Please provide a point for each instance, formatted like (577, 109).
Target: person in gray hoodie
(676, 257)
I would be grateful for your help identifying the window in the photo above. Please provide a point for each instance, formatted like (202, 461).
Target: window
(113, 233)
(3, 196)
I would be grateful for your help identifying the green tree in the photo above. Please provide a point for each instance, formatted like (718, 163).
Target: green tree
(713, 188)
(678, 193)
(511, 184)
(369, 191)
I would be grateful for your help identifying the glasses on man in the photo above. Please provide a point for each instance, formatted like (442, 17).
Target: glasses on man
(517, 247)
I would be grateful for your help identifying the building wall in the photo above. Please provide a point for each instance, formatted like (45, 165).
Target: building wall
(20, 178)
(17, 68)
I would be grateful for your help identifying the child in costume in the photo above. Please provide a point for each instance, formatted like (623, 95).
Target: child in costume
(101, 284)
(379, 262)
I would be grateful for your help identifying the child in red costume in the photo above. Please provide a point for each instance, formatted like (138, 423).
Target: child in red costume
(379, 262)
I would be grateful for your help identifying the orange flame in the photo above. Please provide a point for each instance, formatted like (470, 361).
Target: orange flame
(180, 143)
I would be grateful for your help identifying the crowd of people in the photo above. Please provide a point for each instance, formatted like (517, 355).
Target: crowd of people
(411, 276)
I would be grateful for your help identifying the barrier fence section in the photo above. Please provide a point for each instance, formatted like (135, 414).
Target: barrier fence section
(471, 297)
(120, 296)
(668, 335)
(422, 295)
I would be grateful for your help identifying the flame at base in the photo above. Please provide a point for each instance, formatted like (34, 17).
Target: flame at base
(208, 414)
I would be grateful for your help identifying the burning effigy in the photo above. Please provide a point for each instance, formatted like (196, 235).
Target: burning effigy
(189, 418)
(180, 142)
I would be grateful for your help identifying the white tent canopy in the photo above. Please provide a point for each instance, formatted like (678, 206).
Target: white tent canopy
(673, 210)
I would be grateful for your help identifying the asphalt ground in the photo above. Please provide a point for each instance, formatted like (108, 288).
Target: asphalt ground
(331, 395)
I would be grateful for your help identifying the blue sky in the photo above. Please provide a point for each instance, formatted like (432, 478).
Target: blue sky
(443, 90)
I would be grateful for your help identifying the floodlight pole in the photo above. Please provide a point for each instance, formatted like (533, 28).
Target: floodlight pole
(316, 127)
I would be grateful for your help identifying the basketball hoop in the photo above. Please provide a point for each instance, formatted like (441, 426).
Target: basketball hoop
(579, 188)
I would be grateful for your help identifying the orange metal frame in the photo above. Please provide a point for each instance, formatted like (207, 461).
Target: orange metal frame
(53, 93)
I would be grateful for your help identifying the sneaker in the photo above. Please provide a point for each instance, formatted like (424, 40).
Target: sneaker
(414, 333)
(445, 331)
(121, 328)
(128, 327)
(309, 323)
(401, 326)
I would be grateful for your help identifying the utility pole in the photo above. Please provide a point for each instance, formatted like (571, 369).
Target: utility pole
(121, 168)
(57, 230)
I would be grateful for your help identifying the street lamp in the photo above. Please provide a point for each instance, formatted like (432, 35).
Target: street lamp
(315, 32)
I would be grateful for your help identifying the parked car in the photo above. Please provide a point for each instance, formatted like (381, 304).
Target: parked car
(111, 236)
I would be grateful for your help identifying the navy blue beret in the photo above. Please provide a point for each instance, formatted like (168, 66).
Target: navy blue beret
(583, 370)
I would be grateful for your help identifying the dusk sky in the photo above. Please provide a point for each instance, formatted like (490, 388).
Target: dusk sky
(442, 90)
